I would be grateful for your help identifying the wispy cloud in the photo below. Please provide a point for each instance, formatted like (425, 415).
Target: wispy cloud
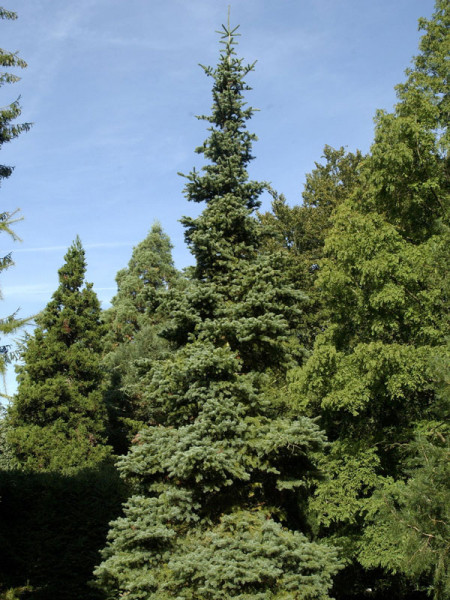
(66, 23)
(85, 246)
(31, 289)
(40, 289)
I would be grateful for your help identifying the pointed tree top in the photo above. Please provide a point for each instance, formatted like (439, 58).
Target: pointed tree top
(227, 34)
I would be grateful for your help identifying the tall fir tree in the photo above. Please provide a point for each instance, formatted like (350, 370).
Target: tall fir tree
(131, 342)
(218, 475)
(58, 418)
(371, 377)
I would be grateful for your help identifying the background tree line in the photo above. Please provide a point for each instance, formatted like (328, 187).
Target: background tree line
(271, 423)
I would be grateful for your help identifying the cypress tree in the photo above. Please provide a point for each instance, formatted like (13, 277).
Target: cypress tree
(218, 474)
(58, 418)
(299, 232)
(371, 377)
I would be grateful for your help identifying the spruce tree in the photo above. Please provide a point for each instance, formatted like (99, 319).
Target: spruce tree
(58, 419)
(131, 342)
(371, 377)
(218, 474)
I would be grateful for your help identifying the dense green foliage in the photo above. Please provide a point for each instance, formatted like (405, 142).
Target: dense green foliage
(370, 377)
(58, 417)
(218, 474)
(280, 412)
(149, 271)
(131, 342)
(299, 232)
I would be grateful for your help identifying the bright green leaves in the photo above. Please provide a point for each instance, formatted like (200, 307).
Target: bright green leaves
(407, 181)
(376, 281)
(430, 75)
(363, 381)
(370, 378)
(409, 520)
(408, 175)
(351, 477)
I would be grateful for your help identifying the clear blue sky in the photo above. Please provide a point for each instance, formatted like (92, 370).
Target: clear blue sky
(112, 87)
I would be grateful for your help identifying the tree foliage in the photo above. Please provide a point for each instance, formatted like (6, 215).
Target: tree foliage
(299, 231)
(149, 271)
(286, 403)
(58, 417)
(131, 342)
(382, 281)
(9, 130)
(217, 475)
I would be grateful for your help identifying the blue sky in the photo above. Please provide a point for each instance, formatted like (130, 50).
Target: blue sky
(113, 87)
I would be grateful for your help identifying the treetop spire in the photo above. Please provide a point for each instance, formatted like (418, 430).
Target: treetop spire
(227, 34)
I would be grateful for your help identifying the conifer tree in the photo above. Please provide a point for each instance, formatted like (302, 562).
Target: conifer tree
(8, 114)
(131, 342)
(58, 418)
(300, 231)
(218, 474)
(9, 130)
(149, 270)
(371, 377)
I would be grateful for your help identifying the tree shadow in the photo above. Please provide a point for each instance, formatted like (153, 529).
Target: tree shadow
(52, 528)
